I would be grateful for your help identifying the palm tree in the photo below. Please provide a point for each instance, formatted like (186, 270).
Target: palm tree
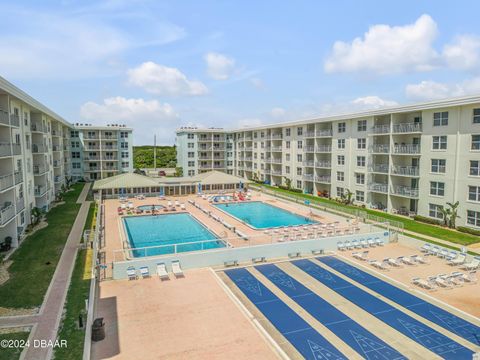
(288, 183)
(36, 215)
(453, 214)
(446, 213)
(347, 197)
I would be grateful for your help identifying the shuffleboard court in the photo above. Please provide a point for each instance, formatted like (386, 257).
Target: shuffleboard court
(407, 325)
(357, 337)
(297, 331)
(435, 314)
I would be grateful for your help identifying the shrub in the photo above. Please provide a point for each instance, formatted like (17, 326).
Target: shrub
(427, 220)
(283, 187)
(468, 230)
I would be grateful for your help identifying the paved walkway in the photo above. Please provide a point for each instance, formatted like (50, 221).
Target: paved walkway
(46, 322)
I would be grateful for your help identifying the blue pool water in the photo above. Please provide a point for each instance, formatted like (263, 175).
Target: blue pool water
(149, 207)
(260, 215)
(168, 230)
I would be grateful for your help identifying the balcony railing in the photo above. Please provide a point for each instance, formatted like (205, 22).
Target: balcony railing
(58, 179)
(321, 133)
(37, 127)
(276, 136)
(309, 148)
(276, 149)
(379, 168)
(109, 137)
(310, 134)
(308, 177)
(16, 149)
(273, 161)
(56, 132)
(406, 170)
(92, 147)
(325, 164)
(56, 163)
(6, 213)
(380, 129)
(18, 177)
(20, 204)
(407, 128)
(378, 187)
(405, 191)
(276, 172)
(326, 179)
(406, 149)
(40, 169)
(309, 163)
(6, 181)
(4, 118)
(91, 158)
(380, 148)
(14, 120)
(323, 148)
(109, 147)
(40, 190)
(56, 148)
(5, 149)
(39, 148)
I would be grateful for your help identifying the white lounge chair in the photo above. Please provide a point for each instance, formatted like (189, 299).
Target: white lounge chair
(176, 268)
(392, 262)
(459, 260)
(177, 203)
(348, 245)
(451, 255)
(470, 277)
(440, 281)
(443, 253)
(419, 259)
(434, 250)
(132, 273)
(472, 265)
(162, 271)
(371, 242)
(144, 271)
(364, 243)
(340, 246)
(426, 248)
(361, 255)
(356, 244)
(379, 241)
(182, 207)
(169, 204)
(406, 260)
(378, 264)
(423, 283)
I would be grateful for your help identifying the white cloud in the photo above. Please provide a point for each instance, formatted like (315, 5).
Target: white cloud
(278, 112)
(387, 49)
(219, 66)
(162, 80)
(432, 90)
(247, 122)
(372, 102)
(147, 117)
(463, 53)
(257, 83)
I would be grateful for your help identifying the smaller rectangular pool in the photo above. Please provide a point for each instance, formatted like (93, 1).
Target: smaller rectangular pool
(260, 215)
(166, 234)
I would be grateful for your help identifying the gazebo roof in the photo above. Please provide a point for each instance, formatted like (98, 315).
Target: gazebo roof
(218, 177)
(126, 180)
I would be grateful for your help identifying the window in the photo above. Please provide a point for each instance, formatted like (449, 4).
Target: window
(341, 159)
(361, 143)
(191, 154)
(262, 134)
(124, 154)
(341, 143)
(299, 184)
(361, 161)
(474, 168)
(360, 196)
(437, 188)
(476, 116)
(299, 145)
(300, 131)
(123, 134)
(439, 142)
(340, 191)
(255, 145)
(340, 176)
(475, 142)
(342, 127)
(76, 165)
(359, 179)
(439, 165)
(191, 163)
(434, 211)
(75, 155)
(299, 171)
(255, 135)
(287, 132)
(287, 144)
(74, 133)
(190, 145)
(287, 169)
(125, 164)
(262, 156)
(473, 218)
(123, 145)
(440, 118)
(190, 136)
(191, 172)
(287, 157)
(362, 125)
(299, 157)
(474, 193)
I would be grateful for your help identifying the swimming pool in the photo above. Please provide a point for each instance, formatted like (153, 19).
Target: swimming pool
(165, 234)
(149, 207)
(260, 215)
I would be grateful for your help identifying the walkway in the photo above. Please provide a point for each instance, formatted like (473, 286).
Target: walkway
(46, 322)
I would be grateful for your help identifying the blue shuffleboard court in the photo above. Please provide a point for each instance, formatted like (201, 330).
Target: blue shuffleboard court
(302, 336)
(407, 325)
(435, 314)
(357, 337)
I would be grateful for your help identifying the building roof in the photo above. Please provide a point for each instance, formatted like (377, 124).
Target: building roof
(125, 180)
(131, 180)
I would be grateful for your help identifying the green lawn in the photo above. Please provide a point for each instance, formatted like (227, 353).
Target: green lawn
(35, 261)
(409, 224)
(12, 353)
(75, 303)
(88, 222)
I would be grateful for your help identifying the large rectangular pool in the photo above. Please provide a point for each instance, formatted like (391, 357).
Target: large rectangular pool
(166, 234)
(260, 215)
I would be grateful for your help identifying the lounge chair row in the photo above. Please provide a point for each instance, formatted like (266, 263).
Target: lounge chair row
(162, 272)
(387, 263)
(446, 281)
(358, 244)
(453, 257)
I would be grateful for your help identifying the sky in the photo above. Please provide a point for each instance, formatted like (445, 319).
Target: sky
(160, 65)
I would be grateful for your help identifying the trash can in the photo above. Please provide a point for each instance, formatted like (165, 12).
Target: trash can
(98, 329)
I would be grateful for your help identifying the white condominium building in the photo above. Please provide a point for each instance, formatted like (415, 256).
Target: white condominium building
(408, 159)
(36, 157)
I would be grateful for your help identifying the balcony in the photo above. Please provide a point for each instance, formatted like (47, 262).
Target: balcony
(412, 171)
(14, 120)
(406, 149)
(40, 190)
(109, 147)
(378, 187)
(407, 128)
(248, 138)
(6, 213)
(276, 172)
(4, 118)
(18, 177)
(109, 168)
(276, 149)
(267, 171)
(248, 148)
(58, 179)
(38, 127)
(40, 169)
(92, 147)
(324, 133)
(57, 163)
(378, 168)
(309, 163)
(325, 179)
(405, 191)
(56, 148)
(273, 161)
(323, 149)
(20, 204)
(57, 133)
(109, 137)
(16, 149)
(39, 148)
(324, 164)
(309, 149)
(276, 136)
(217, 166)
(380, 129)
(91, 158)
(308, 177)
(6, 181)
(5, 149)
(310, 134)
(379, 149)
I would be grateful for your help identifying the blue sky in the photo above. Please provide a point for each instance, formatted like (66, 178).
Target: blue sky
(158, 65)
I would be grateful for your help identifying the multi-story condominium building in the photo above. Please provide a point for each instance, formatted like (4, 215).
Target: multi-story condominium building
(100, 151)
(408, 159)
(36, 158)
